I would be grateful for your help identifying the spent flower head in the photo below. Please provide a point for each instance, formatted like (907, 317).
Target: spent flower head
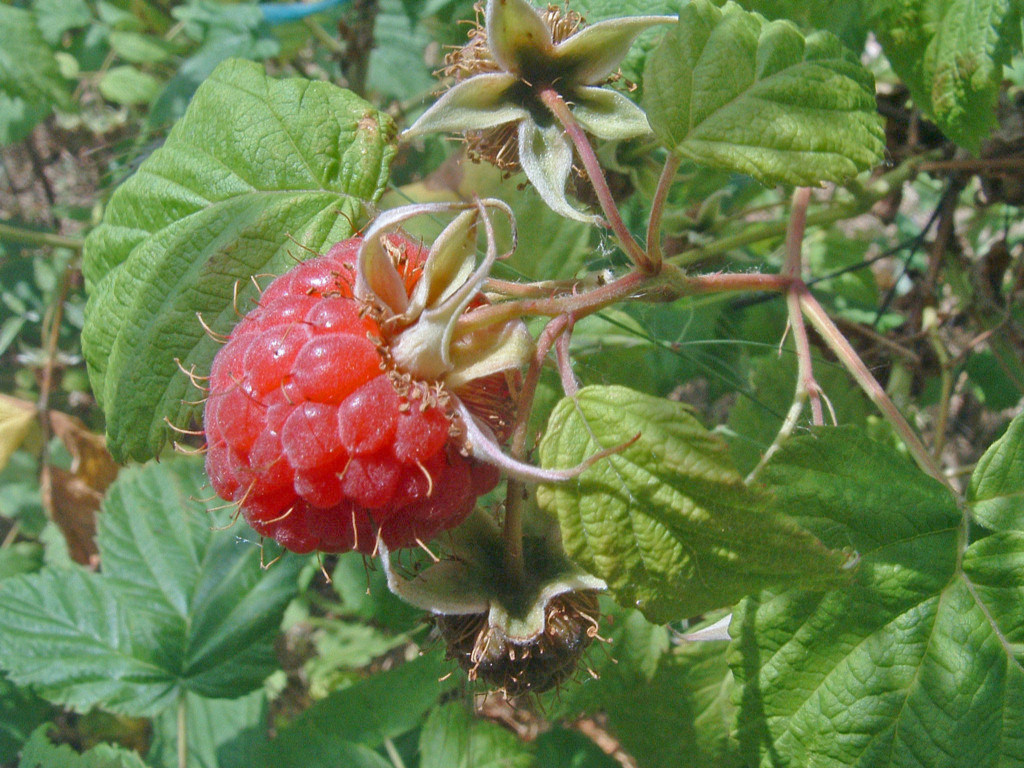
(504, 69)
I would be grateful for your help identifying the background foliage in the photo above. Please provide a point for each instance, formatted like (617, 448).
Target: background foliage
(137, 626)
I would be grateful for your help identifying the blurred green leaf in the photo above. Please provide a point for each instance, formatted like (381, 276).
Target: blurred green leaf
(23, 557)
(55, 17)
(40, 752)
(28, 69)
(380, 707)
(138, 48)
(21, 712)
(222, 733)
(128, 85)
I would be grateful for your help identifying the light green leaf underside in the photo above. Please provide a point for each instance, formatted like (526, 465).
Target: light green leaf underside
(256, 175)
(997, 486)
(667, 521)
(731, 90)
(179, 606)
(918, 663)
(950, 53)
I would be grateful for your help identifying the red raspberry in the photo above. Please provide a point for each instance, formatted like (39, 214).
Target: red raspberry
(313, 434)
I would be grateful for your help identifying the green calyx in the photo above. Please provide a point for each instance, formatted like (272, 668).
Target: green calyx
(424, 341)
(474, 580)
(527, 52)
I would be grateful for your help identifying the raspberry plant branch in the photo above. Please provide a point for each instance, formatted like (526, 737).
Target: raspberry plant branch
(668, 175)
(806, 387)
(31, 237)
(512, 532)
(851, 360)
(554, 101)
(863, 199)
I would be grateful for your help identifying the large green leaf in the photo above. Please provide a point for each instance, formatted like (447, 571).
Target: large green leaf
(180, 606)
(667, 522)
(950, 53)
(731, 90)
(918, 662)
(28, 68)
(257, 174)
(170, 556)
(997, 486)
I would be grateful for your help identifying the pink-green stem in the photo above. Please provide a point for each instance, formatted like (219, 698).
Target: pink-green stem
(668, 175)
(848, 356)
(553, 101)
(512, 532)
(31, 237)
(806, 386)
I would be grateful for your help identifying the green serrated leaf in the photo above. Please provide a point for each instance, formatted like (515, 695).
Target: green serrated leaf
(28, 69)
(731, 90)
(996, 492)
(171, 557)
(845, 20)
(258, 173)
(363, 715)
(667, 521)
(40, 752)
(67, 634)
(180, 605)
(453, 738)
(950, 53)
(917, 662)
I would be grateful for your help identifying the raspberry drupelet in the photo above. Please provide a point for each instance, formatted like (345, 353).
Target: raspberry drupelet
(319, 438)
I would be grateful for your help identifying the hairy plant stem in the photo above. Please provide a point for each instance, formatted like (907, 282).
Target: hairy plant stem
(31, 237)
(668, 175)
(553, 101)
(512, 532)
(835, 339)
(806, 385)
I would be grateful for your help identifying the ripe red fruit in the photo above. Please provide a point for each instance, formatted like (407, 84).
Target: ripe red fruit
(316, 436)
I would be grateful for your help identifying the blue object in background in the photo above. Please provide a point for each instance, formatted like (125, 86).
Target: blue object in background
(279, 13)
